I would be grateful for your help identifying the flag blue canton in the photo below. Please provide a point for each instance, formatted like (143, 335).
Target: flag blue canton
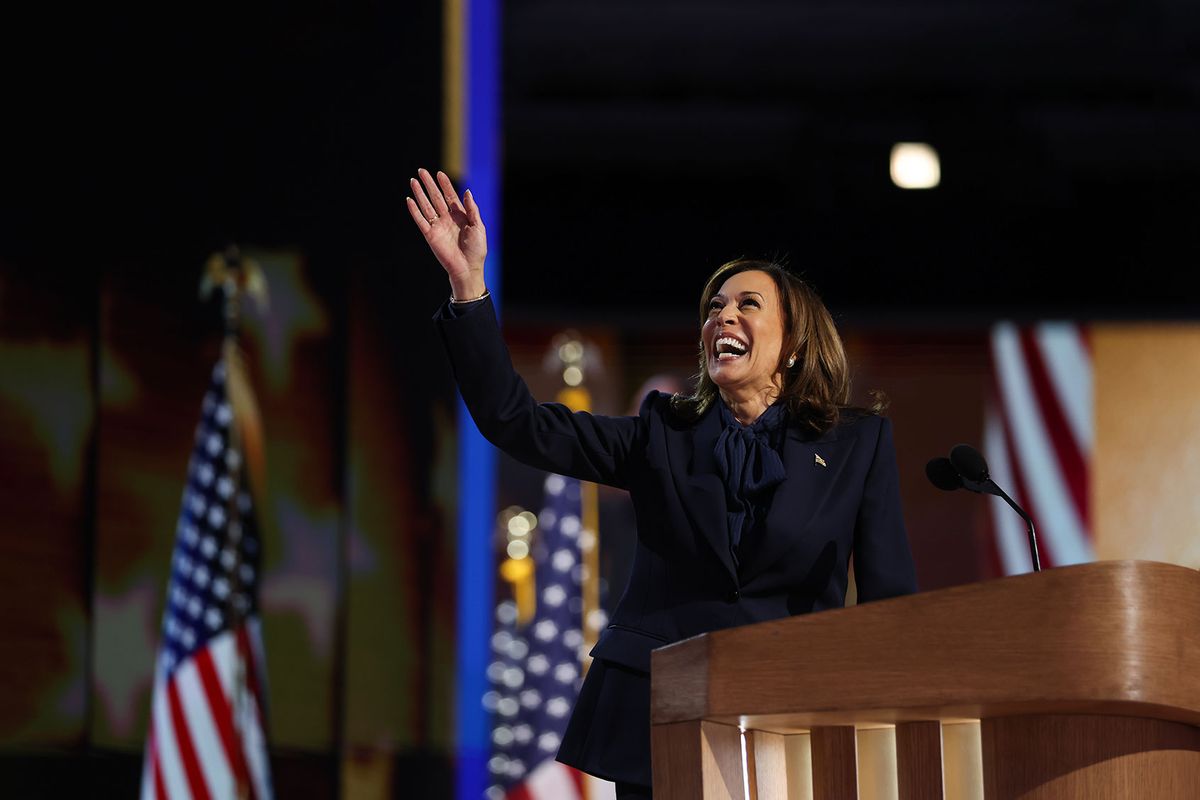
(215, 564)
(535, 673)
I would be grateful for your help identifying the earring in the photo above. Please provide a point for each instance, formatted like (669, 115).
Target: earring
(791, 362)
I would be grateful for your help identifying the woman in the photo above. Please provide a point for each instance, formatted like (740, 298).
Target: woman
(751, 494)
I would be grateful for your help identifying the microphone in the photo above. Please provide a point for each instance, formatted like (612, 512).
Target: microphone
(943, 475)
(967, 469)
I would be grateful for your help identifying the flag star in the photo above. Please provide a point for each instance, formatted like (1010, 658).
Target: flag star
(495, 671)
(554, 595)
(565, 672)
(235, 531)
(208, 546)
(516, 768)
(506, 612)
(241, 603)
(189, 638)
(547, 518)
(221, 588)
(200, 576)
(545, 630)
(517, 649)
(572, 638)
(197, 505)
(507, 707)
(247, 573)
(216, 516)
(190, 535)
(490, 700)
(213, 444)
(218, 375)
(209, 403)
(224, 414)
(523, 733)
(194, 607)
(555, 484)
(212, 618)
(502, 736)
(498, 764)
(225, 487)
(228, 558)
(205, 473)
(530, 698)
(501, 641)
(569, 526)
(563, 560)
(548, 742)
(538, 664)
(232, 459)
(513, 677)
(558, 707)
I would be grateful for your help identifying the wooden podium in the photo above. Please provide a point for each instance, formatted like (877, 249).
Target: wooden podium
(1085, 681)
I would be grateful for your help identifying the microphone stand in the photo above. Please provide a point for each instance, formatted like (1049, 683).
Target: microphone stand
(989, 486)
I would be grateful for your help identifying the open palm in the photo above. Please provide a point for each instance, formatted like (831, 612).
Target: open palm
(453, 229)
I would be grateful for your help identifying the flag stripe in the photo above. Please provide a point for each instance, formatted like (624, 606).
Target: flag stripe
(223, 715)
(159, 789)
(1069, 363)
(175, 784)
(183, 738)
(254, 746)
(1059, 518)
(202, 728)
(1070, 463)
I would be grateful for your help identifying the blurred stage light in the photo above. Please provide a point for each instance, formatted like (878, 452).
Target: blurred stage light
(915, 165)
(517, 549)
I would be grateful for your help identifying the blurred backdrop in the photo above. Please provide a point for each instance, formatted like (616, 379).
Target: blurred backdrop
(1039, 302)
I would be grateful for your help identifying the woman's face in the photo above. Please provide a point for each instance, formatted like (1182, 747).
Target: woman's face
(743, 335)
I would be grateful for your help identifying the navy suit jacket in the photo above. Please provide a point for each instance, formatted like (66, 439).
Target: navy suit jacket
(685, 580)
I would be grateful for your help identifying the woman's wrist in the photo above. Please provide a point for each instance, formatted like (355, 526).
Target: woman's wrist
(467, 289)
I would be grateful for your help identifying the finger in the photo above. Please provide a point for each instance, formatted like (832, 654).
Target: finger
(435, 194)
(472, 209)
(421, 200)
(448, 191)
(419, 218)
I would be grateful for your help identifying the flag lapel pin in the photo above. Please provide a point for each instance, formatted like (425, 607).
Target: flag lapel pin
(820, 460)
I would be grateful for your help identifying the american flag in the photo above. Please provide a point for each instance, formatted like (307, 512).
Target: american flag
(535, 671)
(207, 731)
(1038, 434)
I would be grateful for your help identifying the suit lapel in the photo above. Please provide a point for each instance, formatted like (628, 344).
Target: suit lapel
(704, 491)
(801, 495)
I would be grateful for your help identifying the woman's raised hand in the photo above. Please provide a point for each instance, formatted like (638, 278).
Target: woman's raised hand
(453, 229)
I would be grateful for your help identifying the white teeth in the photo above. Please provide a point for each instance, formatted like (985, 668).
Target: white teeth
(729, 340)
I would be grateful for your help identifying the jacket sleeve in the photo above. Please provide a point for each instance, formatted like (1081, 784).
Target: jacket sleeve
(883, 563)
(547, 436)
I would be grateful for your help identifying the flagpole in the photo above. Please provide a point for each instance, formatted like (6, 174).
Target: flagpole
(573, 358)
(232, 275)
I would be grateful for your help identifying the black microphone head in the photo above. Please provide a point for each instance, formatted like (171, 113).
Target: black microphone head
(969, 463)
(943, 475)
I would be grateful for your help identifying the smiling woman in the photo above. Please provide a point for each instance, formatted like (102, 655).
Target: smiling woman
(797, 358)
(751, 494)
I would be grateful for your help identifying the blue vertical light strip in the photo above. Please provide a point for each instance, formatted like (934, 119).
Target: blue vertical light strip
(477, 458)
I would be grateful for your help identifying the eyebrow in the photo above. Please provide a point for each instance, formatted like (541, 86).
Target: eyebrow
(740, 294)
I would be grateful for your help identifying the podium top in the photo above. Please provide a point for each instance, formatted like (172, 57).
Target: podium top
(1114, 637)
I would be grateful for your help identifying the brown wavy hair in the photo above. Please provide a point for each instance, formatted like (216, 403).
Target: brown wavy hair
(816, 390)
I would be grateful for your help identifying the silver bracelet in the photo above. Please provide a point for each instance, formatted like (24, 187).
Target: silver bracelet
(456, 301)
